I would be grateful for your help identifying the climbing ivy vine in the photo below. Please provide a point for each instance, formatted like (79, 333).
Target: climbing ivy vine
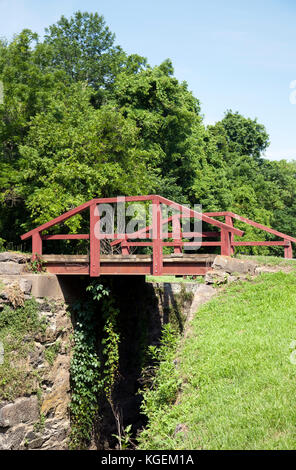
(95, 360)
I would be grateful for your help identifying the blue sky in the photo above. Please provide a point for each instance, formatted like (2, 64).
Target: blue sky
(237, 55)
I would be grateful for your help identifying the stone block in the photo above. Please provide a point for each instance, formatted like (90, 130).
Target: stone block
(13, 257)
(233, 265)
(22, 410)
(10, 268)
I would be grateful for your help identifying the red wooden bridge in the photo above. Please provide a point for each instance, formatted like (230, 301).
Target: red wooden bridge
(96, 263)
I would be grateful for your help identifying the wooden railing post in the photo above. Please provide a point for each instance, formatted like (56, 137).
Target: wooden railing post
(177, 234)
(94, 241)
(124, 248)
(225, 242)
(228, 221)
(157, 241)
(36, 245)
(288, 250)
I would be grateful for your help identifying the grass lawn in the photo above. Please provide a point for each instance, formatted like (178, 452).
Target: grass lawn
(271, 261)
(238, 384)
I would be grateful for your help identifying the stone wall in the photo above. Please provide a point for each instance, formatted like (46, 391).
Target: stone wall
(40, 420)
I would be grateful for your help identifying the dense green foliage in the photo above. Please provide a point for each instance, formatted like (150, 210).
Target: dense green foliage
(15, 325)
(235, 373)
(81, 118)
(94, 362)
(165, 384)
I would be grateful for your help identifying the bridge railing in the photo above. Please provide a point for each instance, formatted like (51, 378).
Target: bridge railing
(286, 241)
(153, 235)
(154, 232)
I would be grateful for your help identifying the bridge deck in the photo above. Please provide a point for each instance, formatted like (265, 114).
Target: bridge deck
(174, 264)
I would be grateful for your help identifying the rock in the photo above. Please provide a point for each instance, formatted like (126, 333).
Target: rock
(55, 403)
(215, 276)
(23, 410)
(233, 265)
(202, 294)
(11, 268)
(36, 443)
(25, 286)
(13, 257)
(12, 439)
(36, 355)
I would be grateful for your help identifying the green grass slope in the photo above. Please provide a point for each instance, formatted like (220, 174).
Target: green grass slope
(236, 376)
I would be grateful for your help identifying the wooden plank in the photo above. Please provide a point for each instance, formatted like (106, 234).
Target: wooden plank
(192, 243)
(138, 243)
(217, 214)
(84, 236)
(94, 221)
(66, 258)
(194, 234)
(80, 259)
(140, 269)
(258, 243)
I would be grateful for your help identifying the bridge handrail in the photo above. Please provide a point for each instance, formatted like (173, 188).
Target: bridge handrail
(226, 242)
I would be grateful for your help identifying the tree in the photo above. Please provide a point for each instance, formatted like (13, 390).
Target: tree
(83, 46)
(28, 84)
(245, 136)
(73, 153)
(169, 122)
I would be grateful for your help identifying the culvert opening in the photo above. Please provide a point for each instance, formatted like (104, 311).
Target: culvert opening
(142, 309)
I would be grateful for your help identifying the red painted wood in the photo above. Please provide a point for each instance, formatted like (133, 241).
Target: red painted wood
(217, 214)
(139, 243)
(84, 236)
(258, 243)
(228, 221)
(225, 243)
(95, 244)
(180, 243)
(36, 245)
(227, 234)
(195, 234)
(288, 250)
(131, 269)
(125, 248)
(177, 235)
(58, 268)
(192, 243)
(157, 242)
